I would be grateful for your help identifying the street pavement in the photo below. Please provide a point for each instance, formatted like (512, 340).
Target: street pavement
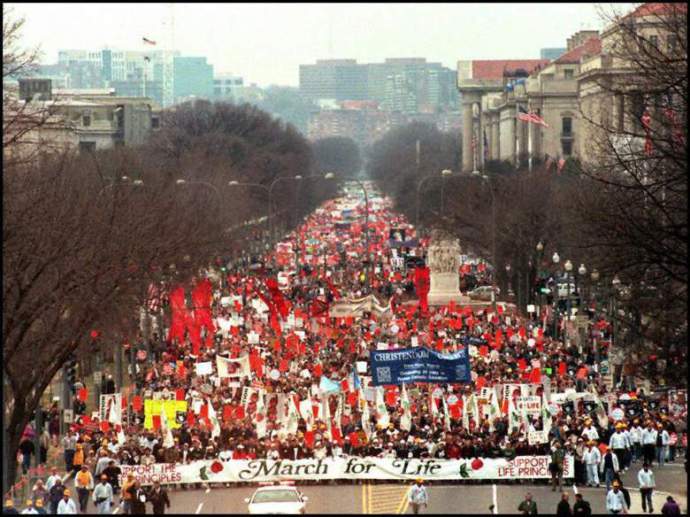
(443, 498)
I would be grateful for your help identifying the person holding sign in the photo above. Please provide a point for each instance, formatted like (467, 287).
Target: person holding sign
(418, 496)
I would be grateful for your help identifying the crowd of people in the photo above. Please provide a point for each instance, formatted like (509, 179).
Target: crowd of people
(276, 314)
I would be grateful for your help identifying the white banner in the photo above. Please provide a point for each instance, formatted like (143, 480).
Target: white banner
(233, 471)
(111, 408)
(232, 368)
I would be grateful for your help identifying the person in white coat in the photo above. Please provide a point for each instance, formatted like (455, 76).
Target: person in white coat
(103, 495)
(67, 506)
(592, 458)
(615, 500)
(647, 485)
(662, 450)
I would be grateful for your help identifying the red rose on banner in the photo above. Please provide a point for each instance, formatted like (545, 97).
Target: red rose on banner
(216, 467)
(476, 464)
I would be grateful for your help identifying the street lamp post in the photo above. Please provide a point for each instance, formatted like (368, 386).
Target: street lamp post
(556, 311)
(616, 284)
(235, 183)
(581, 271)
(568, 266)
(594, 276)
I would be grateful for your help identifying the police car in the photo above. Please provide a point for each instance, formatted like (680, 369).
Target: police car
(277, 499)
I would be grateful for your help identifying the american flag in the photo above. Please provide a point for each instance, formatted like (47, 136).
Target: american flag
(525, 116)
(154, 298)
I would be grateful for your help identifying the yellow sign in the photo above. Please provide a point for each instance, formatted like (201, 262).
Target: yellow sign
(172, 407)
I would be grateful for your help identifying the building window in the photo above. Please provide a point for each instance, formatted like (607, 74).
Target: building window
(87, 147)
(672, 42)
(620, 112)
(567, 147)
(86, 119)
(155, 123)
(569, 73)
(567, 126)
(654, 41)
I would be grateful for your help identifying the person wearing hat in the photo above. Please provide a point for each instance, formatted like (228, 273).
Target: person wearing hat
(418, 496)
(79, 458)
(29, 507)
(84, 483)
(67, 506)
(40, 507)
(592, 458)
(590, 432)
(618, 443)
(609, 467)
(103, 495)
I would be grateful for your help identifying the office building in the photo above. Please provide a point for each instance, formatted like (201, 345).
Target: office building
(552, 53)
(193, 77)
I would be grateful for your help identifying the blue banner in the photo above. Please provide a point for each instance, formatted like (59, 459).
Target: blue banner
(419, 364)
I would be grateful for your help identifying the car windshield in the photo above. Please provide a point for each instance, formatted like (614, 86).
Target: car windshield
(276, 496)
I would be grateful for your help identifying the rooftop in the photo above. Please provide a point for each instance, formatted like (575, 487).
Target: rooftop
(591, 47)
(494, 68)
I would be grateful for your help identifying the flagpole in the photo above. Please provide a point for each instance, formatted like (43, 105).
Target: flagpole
(517, 138)
(529, 147)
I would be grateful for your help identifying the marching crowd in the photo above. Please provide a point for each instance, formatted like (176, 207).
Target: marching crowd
(292, 343)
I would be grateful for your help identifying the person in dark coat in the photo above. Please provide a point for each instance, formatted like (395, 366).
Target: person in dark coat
(670, 508)
(563, 508)
(158, 497)
(138, 500)
(581, 508)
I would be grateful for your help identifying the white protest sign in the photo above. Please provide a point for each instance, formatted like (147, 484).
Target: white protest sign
(531, 405)
(205, 368)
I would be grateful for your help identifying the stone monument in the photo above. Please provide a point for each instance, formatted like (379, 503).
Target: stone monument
(443, 259)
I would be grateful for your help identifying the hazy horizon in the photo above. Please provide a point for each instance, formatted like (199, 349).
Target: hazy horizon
(266, 43)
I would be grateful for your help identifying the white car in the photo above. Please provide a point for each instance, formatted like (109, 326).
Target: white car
(279, 499)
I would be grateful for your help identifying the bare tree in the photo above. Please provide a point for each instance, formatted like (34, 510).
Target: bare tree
(633, 202)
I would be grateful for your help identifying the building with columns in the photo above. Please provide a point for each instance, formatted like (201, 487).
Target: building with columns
(482, 84)
(494, 92)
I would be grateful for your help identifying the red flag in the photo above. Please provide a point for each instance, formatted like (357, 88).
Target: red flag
(345, 385)
(156, 421)
(561, 369)
(83, 394)
(484, 350)
(227, 412)
(203, 412)
(318, 371)
(190, 419)
(581, 373)
(309, 438)
(352, 398)
(535, 376)
(422, 286)
(105, 426)
(391, 398)
(283, 366)
(522, 364)
(480, 382)
(179, 394)
(137, 403)
(239, 412)
(354, 439)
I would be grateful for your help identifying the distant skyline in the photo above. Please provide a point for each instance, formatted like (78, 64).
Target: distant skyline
(266, 43)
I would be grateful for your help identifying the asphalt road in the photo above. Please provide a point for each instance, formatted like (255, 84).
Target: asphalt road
(452, 499)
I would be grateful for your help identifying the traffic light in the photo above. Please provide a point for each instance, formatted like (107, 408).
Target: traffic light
(71, 371)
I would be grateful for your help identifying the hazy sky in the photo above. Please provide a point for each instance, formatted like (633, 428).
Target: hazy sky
(265, 43)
